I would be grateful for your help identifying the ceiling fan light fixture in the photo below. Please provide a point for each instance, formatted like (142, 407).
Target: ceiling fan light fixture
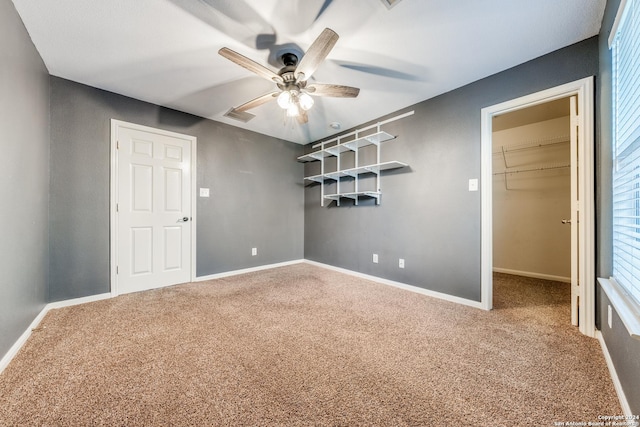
(306, 101)
(292, 79)
(293, 110)
(284, 100)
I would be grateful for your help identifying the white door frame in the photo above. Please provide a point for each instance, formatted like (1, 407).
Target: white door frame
(584, 91)
(115, 124)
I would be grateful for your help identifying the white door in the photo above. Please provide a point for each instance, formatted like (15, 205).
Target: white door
(153, 208)
(575, 207)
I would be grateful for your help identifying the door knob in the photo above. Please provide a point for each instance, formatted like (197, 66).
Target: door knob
(184, 219)
(566, 221)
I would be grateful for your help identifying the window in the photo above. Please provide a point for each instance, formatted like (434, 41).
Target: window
(625, 47)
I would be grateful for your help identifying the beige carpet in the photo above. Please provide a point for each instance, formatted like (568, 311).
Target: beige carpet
(302, 345)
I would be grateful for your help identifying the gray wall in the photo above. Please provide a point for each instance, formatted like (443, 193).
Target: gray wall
(256, 193)
(24, 183)
(624, 350)
(427, 215)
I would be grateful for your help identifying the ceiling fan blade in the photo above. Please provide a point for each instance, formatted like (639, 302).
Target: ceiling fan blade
(236, 19)
(250, 65)
(316, 53)
(297, 16)
(380, 71)
(262, 99)
(336, 91)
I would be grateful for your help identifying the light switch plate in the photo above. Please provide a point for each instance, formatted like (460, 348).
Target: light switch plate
(473, 184)
(204, 192)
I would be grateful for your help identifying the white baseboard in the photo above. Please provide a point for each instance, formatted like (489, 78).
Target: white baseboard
(59, 304)
(77, 301)
(614, 376)
(533, 275)
(246, 270)
(416, 289)
(15, 348)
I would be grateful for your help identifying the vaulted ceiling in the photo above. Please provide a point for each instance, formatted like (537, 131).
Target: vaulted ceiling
(166, 51)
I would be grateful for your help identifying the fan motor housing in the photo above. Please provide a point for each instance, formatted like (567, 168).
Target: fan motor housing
(289, 59)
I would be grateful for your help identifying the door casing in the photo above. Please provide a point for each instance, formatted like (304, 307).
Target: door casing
(114, 197)
(584, 90)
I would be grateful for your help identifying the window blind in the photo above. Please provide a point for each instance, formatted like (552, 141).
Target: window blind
(626, 149)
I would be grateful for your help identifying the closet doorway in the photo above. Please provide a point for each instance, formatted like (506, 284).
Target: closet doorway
(542, 160)
(532, 207)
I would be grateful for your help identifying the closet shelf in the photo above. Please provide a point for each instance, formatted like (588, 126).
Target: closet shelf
(316, 155)
(352, 172)
(316, 178)
(353, 195)
(506, 173)
(335, 150)
(528, 145)
(533, 169)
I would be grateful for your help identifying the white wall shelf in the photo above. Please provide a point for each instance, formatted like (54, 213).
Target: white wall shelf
(353, 145)
(353, 195)
(335, 148)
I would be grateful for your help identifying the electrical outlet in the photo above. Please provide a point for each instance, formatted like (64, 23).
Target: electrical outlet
(609, 315)
(375, 258)
(473, 184)
(204, 192)
(401, 263)
(254, 251)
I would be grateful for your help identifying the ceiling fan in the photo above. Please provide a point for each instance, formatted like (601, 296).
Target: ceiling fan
(292, 80)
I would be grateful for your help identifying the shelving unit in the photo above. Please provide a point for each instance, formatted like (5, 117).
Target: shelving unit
(539, 144)
(335, 148)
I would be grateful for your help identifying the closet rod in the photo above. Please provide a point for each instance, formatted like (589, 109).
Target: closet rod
(544, 168)
(532, 145)
(506, 173)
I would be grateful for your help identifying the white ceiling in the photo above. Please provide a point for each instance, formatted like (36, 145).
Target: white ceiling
(165, 51)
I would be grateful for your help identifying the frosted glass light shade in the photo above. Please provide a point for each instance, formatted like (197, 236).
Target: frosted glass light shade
(306, 101)
(284, 100)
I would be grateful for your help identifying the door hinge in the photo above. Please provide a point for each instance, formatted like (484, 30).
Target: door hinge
(117, 269)
(117, 145)
(117, 207)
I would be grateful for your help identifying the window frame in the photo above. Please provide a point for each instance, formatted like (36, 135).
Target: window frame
(624, 296)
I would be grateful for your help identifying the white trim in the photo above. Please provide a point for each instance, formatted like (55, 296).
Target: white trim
(15, 348)
(584, 90)
(246, 270)
(625, 306)
(533, 275)
(115, 124)
(406, 287)
(400, 285)
(78, 301)
(624, 404)
(622, 7)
